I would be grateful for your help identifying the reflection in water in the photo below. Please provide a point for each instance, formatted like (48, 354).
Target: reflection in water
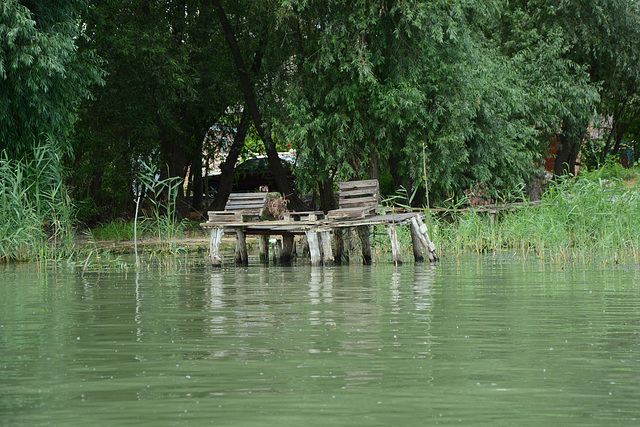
(395, 291)
(424, 275)
(320, 293)
(451, 343)
(214, 304)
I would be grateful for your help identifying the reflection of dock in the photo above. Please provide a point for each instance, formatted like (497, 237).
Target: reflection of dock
(319, 234)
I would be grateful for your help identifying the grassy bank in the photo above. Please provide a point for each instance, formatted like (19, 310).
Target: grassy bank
(594, 218)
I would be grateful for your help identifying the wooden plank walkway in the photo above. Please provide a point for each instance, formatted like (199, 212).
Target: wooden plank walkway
(318, 231)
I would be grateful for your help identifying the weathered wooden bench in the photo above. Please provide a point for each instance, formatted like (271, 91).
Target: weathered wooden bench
(358, 209)
(240, 207)
(357, 199)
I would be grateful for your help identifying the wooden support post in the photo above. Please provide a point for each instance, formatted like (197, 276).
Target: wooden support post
(264, 248)
(415, 242)
(277, 249)
(314, 247)
(424, 238)
(327, 252)
(395, 246)
(492, 216)
(287, 248)
(363, 233)
(348, 238)
(214, 246)
(242, 258)
(338, 245)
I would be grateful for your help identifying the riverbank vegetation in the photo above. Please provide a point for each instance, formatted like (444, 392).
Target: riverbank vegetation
(37, 214)
(592, 218)
(101, 101)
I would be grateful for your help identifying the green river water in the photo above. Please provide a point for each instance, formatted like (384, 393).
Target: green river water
(475, 341)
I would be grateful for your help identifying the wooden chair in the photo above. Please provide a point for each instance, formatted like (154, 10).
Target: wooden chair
(241, 207)
(357, 199)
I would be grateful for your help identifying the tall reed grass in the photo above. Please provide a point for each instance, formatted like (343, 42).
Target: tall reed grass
(36, 213)
(162, 195)
(585, 219)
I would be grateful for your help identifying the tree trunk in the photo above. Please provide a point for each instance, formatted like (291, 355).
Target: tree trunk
(284, 185)
(614, 125)
(174, 157)
(374, 166)
(569, 146)
(197, 182)
(326, 196)
(227, 167)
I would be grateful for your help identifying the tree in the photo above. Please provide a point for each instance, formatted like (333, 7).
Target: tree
(603, 38)
(248, 91)
(166, 86)
(42, 78)
(403, 84)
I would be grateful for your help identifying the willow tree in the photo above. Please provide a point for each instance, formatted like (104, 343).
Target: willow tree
(42, 77)
(417, 88)
(601, 37)
(166, 85)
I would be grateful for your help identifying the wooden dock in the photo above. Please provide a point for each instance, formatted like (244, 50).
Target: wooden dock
(358, 210)
(319, 232)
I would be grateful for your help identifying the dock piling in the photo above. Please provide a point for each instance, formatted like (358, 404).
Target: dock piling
(263, 243)
(288, 246)
(314, 247)
(214, 246)
(242, 257)
(395, 246)
(327, 252)
(363, 234)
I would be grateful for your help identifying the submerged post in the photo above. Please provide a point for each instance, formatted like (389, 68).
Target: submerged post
(264, 248)
(395, 246)
(314, 247)
(363, 233)
(242, 258)
(214, 246)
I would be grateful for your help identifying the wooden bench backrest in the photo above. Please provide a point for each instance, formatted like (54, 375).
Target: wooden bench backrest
(247, 202)
(360, 194)
(241, 206)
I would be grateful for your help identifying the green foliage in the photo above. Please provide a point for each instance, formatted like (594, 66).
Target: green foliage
(477, 89)
(604, 37)
(117, 231)
(42, 79)
(162, 195)
(586, 219)
(169, 80)
(35, 210)
(388, 81)
(611, 170)
(401, 199)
